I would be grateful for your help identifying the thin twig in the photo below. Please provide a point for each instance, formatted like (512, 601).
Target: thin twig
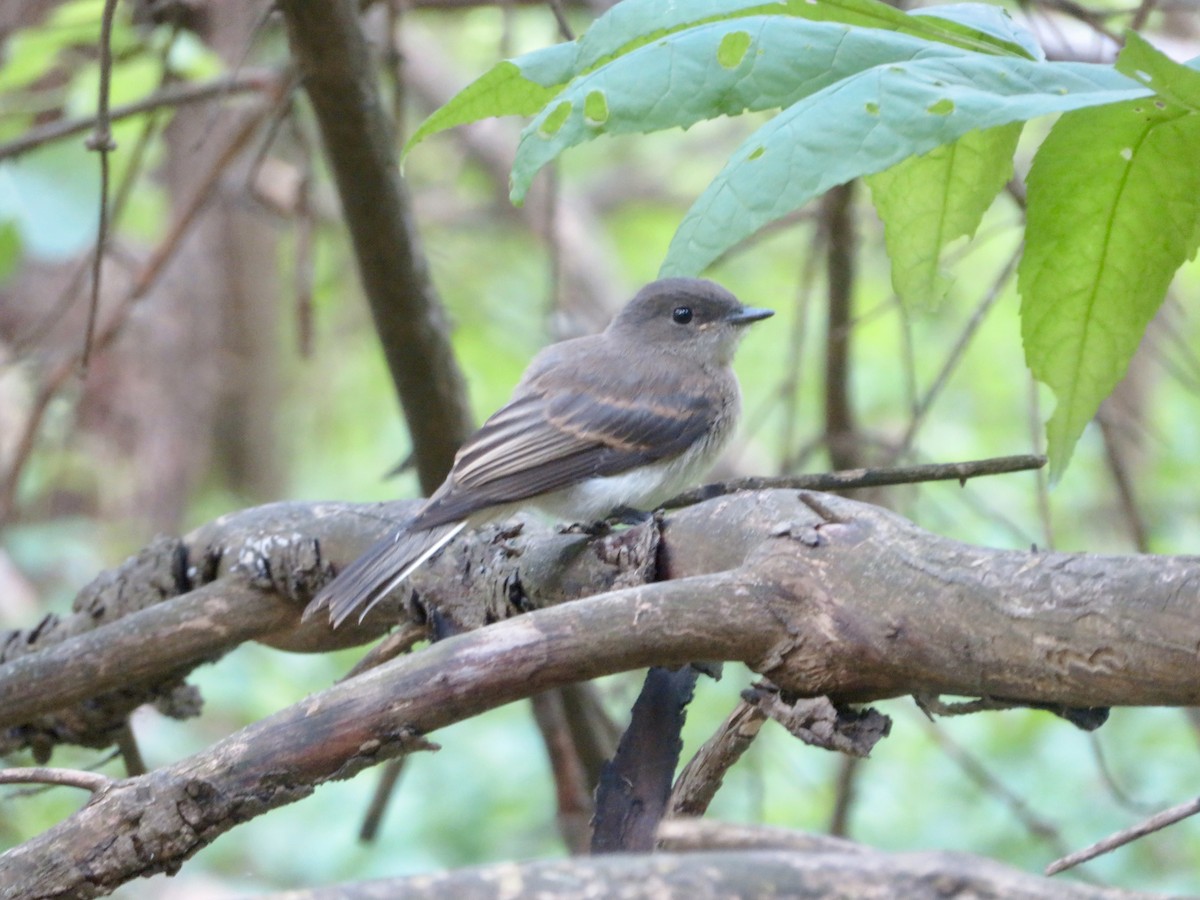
(131, 753)
(1143, 12)
(853, 479)
(1118, 793)
(101, 141)
(1118, 469)
(174, 95)
(89, 781)
(986, 781)
(395, 644)
(304, 266)
(956, 355)
(394, 66)
(386, 785)
(145, 279)
(849, 768)
(120, 199)
(572, 786)
(837, 220)
(1112, 842)
(1043, 483)
(560, 18)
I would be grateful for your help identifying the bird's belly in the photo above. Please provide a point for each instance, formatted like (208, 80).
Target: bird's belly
(642, 488)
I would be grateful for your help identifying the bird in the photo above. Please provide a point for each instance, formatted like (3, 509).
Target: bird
(616, 421)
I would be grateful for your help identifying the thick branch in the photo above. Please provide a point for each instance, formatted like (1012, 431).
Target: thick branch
(335, 65)
(716, 875)
(161, 818)
(823, 595)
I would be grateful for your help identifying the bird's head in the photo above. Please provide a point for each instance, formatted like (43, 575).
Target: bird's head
(687, 316)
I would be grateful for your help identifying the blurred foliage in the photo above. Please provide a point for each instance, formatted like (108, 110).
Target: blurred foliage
(488, 795)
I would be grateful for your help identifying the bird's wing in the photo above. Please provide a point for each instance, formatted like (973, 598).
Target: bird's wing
(561, 430)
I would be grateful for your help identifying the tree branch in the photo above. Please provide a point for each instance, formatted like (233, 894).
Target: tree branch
(335, 66)
(822, 595)
(716, 875)
(170, 96)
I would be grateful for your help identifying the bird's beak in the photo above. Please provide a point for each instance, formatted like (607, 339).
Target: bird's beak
(748, 314)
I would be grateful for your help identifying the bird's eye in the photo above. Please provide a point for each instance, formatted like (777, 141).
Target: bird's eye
(681, 315)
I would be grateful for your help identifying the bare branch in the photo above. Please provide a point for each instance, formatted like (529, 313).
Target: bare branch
(840, 239)
(170, 96)
(89, 781)
(101, 142)
(852, 479)
(823, 596)
(1149, 826)
(635, 785)
(717, 875)
(701, 778)
(145, 279)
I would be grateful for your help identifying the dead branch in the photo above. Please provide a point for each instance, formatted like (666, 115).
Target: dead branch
(1157, 822)
(88, 781)
(169, 97)
(715, 875)
(823, 596)
(854, 479)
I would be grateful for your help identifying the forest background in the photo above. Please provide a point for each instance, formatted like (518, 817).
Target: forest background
(237, 364)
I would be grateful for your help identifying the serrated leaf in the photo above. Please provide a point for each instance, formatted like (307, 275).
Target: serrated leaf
(1147, 66)
(677, 83)
(928, 201)
(868, 122)
(1114, 202)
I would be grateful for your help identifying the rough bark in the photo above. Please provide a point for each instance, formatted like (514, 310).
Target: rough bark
(720, 875)
(823, 595)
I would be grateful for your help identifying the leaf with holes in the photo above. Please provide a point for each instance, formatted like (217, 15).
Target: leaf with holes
(528, 83)
(722, 68)
(869, 122)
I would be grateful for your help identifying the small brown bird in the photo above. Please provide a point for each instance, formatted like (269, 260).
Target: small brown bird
(622, 419)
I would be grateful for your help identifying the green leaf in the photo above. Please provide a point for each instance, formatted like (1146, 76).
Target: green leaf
(1114, 204)
(982, 24)
(517, 87)
(928, 201)
(869, 122)
(632, 23)
(1173, 81)
(677, 83)
(526, 84)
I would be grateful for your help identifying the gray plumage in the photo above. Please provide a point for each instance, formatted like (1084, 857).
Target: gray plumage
(625, 418)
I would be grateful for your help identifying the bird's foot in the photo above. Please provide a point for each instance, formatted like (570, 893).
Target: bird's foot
(627, 515)
(591, 529)
(622, 515)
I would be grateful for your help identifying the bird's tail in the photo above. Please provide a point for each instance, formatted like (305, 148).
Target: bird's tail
(377, 572)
